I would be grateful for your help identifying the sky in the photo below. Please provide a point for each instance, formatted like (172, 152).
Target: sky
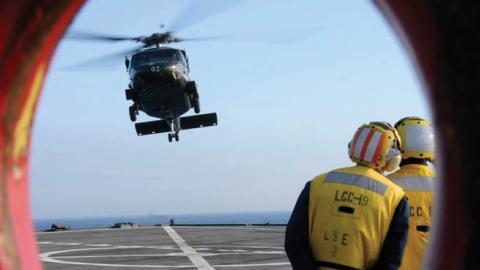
(291, 84)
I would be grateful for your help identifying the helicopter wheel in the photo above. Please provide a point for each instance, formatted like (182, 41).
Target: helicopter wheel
(176, 137)
(170, 137)
(196, 104)
(133, 113)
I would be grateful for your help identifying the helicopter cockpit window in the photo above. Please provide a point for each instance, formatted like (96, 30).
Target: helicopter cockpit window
(156, 57)
(182, 58)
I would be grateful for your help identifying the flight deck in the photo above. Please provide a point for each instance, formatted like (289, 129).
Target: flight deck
(165, 247)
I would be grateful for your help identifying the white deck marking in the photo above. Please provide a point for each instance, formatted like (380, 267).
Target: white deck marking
(178, 254)
(172, 254)
(130, 246)
(46, 257)
(239, 246)
(192, 254)
(68, 244)
(252, 265)
(56, 257)
(97, 245)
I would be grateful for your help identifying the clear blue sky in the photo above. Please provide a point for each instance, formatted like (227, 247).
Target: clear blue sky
(286, 109)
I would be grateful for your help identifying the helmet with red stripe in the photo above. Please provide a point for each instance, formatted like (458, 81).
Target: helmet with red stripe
(376, 145)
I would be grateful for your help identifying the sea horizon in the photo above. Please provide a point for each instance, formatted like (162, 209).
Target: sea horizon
(267, 217)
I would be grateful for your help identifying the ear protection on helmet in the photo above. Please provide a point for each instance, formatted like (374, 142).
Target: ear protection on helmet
(394, 157)
(394, 154)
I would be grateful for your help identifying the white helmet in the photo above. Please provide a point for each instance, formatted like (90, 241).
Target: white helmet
(417, 138)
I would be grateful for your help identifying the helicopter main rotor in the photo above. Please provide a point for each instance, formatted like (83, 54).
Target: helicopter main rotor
(191, 14)
(194, 13)
(154, 39)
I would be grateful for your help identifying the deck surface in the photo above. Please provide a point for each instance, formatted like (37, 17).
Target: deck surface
(165, 247)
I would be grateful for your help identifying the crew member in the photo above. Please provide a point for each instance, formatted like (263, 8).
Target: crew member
(416, 178)
(353, 218)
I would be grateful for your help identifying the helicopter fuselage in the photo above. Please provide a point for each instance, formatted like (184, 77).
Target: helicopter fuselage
(159, 79)
(159, 83)
(160, 87)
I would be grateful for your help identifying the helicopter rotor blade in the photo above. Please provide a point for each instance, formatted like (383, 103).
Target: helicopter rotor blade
(198, 11)
(82, 35)
(208, 38)
(274, 37)
(103, 61)
(266, 36)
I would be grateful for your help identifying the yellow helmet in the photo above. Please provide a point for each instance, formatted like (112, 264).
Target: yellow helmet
(376, 145)
(417, 137)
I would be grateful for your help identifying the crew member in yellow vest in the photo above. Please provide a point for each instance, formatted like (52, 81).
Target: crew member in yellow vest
(416, 179)
(353, 218)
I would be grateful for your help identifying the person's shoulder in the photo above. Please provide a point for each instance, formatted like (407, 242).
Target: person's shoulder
(337, 170)
(429, 170)
(396, 174)
(412, 170)
(350, 170)
(391, 186)
(318, 178)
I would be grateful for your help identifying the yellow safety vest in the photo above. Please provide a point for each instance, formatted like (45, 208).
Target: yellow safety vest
(349, 214)
(417, 183)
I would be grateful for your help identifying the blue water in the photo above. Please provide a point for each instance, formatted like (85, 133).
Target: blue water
(104, 222)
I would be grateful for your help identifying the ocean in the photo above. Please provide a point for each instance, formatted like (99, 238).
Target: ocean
(221, 218)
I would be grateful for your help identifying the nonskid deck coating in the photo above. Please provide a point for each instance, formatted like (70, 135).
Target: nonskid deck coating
(165, 247)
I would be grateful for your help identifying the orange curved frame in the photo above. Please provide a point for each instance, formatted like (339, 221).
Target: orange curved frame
(30, 31)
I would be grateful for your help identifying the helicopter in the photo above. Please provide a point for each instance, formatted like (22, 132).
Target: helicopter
(159, 84)
(160, 87)
(159, 74)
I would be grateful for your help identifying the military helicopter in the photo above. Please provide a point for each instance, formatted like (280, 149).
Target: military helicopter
(160, 87)
(159, 84)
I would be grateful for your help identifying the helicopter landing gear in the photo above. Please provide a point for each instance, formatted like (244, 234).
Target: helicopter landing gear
(171, 136)
(133, 113)
(174, 129)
